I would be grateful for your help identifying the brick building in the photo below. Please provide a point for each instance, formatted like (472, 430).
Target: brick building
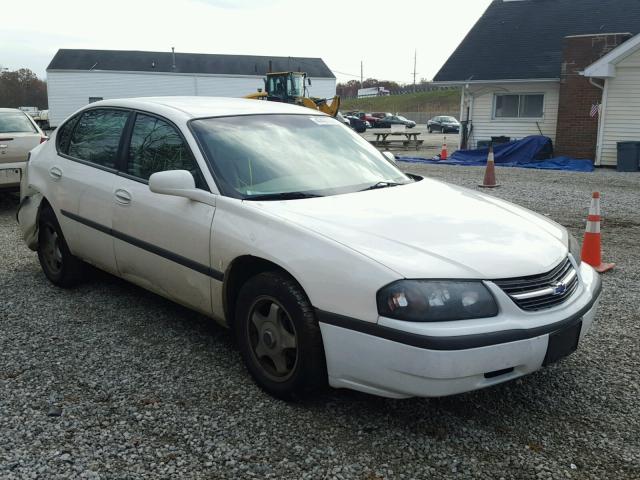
(527, 68)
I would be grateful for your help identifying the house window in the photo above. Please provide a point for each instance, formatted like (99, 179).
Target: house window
(95, 99)
(518, 106)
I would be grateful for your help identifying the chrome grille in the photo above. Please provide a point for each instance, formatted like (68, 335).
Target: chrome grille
(540, 292)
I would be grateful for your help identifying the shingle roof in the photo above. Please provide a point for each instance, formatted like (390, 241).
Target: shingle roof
(523, 39)
(137, 61)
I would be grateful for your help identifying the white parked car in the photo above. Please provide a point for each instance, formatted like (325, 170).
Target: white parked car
(19, 133)
(327, 261)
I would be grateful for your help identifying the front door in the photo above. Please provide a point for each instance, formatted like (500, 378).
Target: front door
(162, 242)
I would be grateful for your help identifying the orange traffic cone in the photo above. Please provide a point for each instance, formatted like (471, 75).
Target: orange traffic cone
(591, 246)
(490, 172)
(443, 153)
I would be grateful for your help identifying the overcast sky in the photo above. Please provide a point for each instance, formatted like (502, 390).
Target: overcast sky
(381, 33)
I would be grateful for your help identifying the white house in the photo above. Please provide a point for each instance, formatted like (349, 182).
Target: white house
(78, 77)
(620, 111)
(520, 71)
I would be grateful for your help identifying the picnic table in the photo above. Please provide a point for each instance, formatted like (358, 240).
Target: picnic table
(404, 138)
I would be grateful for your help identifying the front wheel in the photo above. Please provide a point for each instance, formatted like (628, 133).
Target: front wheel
(279, 336)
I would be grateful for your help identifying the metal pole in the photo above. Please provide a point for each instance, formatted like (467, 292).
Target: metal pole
(361, 75)
(415, 60)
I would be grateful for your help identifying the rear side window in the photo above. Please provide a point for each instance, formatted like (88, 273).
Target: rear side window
(63, 137)
(97, 136)
(156, 146)
(15, 122)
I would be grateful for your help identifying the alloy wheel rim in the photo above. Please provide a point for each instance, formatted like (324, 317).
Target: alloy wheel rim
(51, 249)
(272, 338)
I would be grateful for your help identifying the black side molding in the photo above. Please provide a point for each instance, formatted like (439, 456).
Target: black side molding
(149, 247)
(460, 342)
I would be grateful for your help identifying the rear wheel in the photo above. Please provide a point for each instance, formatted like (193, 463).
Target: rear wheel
(279, 337)
(59, 265)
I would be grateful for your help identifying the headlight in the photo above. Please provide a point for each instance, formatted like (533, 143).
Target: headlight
(574, 248)
(436, 301)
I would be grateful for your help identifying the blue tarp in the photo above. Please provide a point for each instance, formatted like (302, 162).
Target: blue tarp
(526, 153)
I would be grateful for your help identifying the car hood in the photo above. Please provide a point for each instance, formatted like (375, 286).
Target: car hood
(431, 229)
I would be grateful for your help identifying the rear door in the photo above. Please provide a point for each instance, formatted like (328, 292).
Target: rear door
(82, 177)
(162, 242)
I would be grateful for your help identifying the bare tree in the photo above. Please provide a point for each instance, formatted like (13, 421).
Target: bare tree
(22, 88)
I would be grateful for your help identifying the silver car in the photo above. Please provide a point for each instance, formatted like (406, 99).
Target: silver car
(19, 134)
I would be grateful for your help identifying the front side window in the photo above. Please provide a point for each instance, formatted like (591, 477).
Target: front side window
(258, 155)
(156, 146)
(296, 85)
(519, 106)
(15, 122)
(97, 136)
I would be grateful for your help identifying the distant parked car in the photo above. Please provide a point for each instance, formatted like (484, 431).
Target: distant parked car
(368, 117)
(357, 124)
(386, 122)
(343, 119)
(443, 124)
(19, 133)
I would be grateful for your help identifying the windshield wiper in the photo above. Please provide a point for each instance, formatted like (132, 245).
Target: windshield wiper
(381, 185)
(282, 196)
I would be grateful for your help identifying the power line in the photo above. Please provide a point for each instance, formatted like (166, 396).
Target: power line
(344, 73)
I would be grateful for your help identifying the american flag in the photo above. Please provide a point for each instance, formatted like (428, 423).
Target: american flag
(595, 110)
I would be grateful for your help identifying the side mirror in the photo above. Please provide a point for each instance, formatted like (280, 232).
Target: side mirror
(179, 183)
(390, 157)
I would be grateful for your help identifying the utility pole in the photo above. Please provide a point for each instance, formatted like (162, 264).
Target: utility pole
(361, 75)
(415, 61)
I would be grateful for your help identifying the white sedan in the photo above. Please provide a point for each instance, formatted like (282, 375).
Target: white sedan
(19, 133)
(329, 263)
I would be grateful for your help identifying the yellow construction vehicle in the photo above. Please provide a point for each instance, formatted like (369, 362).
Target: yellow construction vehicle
(291, 87)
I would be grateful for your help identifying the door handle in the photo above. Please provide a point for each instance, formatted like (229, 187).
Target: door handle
(55, 173)
(122, 196)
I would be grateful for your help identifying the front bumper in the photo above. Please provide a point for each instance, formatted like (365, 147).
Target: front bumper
(396, 364)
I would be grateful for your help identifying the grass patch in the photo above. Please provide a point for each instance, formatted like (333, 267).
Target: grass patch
(437, 100)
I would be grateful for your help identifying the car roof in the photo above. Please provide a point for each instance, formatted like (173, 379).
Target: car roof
(186, 108)
(12, 110)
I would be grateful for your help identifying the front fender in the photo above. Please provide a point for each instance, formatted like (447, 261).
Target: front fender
(28, 213)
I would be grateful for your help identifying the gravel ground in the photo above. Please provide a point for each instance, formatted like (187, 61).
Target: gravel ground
(109, 381)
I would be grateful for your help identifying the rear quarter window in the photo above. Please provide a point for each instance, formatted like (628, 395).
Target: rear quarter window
(63, 136)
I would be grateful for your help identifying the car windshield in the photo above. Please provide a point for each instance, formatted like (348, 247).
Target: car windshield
(255, 156)
(15, 122)
(400, 117)
(449, 120)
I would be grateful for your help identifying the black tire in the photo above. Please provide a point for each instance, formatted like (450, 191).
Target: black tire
(429, 130)
(58, 264)
(305, 367)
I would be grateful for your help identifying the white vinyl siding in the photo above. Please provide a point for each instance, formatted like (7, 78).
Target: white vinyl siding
(486, 126)
(70, 90)
(621, 114)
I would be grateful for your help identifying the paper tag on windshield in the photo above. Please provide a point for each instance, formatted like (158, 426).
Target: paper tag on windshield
(323, 120)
